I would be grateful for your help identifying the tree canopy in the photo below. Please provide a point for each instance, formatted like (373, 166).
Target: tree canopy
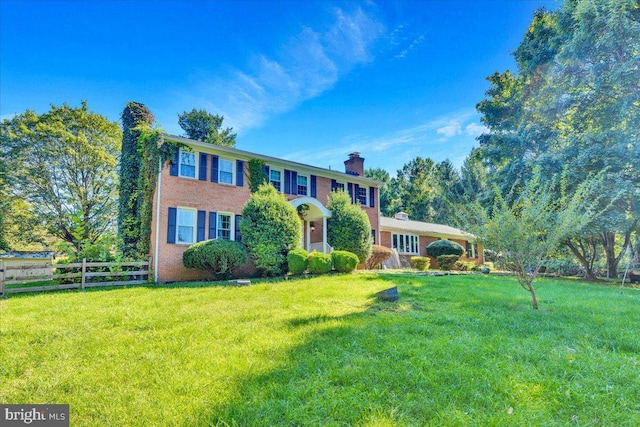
(203, 126)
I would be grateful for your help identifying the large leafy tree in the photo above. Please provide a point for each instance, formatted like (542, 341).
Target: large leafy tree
(203, 126)
(63, 164)
(575, 102)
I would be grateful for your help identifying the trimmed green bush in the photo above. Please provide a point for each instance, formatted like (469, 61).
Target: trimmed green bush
(379, 254)
(446, 262)
(344, 261)
(270, 228)
(420, 262)
(444, 247)
(462, 265)
(348, 228)
(319, 263)
(218, 257)
(297, 261)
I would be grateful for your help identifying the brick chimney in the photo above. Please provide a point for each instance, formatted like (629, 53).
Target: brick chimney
(355, 164)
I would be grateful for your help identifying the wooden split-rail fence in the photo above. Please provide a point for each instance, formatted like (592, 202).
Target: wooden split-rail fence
(16, 278)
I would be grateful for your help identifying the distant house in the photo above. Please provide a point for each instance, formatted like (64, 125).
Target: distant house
(201, 194)
(411, 238)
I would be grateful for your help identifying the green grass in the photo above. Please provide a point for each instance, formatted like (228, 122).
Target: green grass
(455, 350)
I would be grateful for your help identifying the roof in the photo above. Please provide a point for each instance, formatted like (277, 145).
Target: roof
(419, 227)
(274, 161)
(27, 254)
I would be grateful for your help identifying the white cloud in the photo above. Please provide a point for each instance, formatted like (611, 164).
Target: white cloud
(308, 64)
(450, 130)
(475, 129)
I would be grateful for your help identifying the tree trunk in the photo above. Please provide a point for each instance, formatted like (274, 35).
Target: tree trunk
(585, 252)
(534, 300)
(608, 242)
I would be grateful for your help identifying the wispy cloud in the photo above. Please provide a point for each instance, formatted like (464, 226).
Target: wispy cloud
(475, 129)
(308, 64)
(403, 39)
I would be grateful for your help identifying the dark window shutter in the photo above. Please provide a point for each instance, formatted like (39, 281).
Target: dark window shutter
(171, 225)
(203, 167)
(294, 183)
(239, 173)
(202, 217)
(334, 185)
(356, 193)
(238, 234)
(266, 171)
(373, 236)
(214, 168)
(350, 189)
(213, 223)
(173, 166)
(313, 186)
(372, 197)
(287, 181)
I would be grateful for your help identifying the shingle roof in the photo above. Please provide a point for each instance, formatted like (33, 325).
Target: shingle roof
(419, 227)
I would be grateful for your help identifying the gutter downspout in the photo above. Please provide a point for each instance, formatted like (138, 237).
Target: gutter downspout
(156, 250)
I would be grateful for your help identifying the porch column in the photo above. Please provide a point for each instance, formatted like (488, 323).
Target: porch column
(324, 234)
(308, 234)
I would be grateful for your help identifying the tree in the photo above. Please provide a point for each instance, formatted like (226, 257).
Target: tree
(270, 228)
(348, 228)
(130, 201)
(206, 127)
(532, 228)
(63, 164)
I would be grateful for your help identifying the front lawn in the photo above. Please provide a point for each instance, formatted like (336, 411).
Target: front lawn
(455, 350)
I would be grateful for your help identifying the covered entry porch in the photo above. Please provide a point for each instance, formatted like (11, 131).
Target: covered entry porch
(314, 224)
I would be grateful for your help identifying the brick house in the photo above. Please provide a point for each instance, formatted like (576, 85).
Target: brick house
(411, 238)
(200, 196)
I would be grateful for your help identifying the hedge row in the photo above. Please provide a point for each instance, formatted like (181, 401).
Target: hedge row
(300, 261)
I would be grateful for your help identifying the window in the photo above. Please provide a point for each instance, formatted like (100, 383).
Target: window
(225, 171)
(225, 226)
(302, 185)
(472, 250)
(340, 186)
(186, 226)
(187, 166)
(275, 178)
(406, 243)
(362, 196)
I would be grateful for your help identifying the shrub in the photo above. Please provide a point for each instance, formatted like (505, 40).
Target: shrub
(446, 262)
(297, 261)
(379, 254)
(344, 261)
(319, 263)
(270, 228)
(462, 265)
(218, 257)
(420, 262)
(348, 228)
(444, 247)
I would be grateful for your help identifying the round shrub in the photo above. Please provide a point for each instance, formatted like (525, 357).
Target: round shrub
(420, 262)
(319, 263)
(297, 261)
(349, 228)
(446, 262)
(462, 265)
(344, 261)
(218, 257)
(379, 254)
(444, 247)
(270, 228)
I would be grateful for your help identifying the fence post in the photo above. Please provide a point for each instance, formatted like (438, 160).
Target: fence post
(84, 270)
(3, 268)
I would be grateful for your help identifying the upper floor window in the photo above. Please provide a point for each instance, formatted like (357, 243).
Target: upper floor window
(225, 171)
(302, 185)
(362, 196)
(185, 225)
(187, 166)
(275, 178)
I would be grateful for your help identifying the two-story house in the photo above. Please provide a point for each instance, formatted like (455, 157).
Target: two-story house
(201, 193)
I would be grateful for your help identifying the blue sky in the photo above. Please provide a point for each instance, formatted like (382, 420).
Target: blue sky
(307, 81)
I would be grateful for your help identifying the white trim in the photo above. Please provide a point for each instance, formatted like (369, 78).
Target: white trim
(311, 201)
(408, 239)
(157, 251)
(277, 169)
(233, 170)
(302, 175)
(366, 196)
(232, 225)
(196, 161)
